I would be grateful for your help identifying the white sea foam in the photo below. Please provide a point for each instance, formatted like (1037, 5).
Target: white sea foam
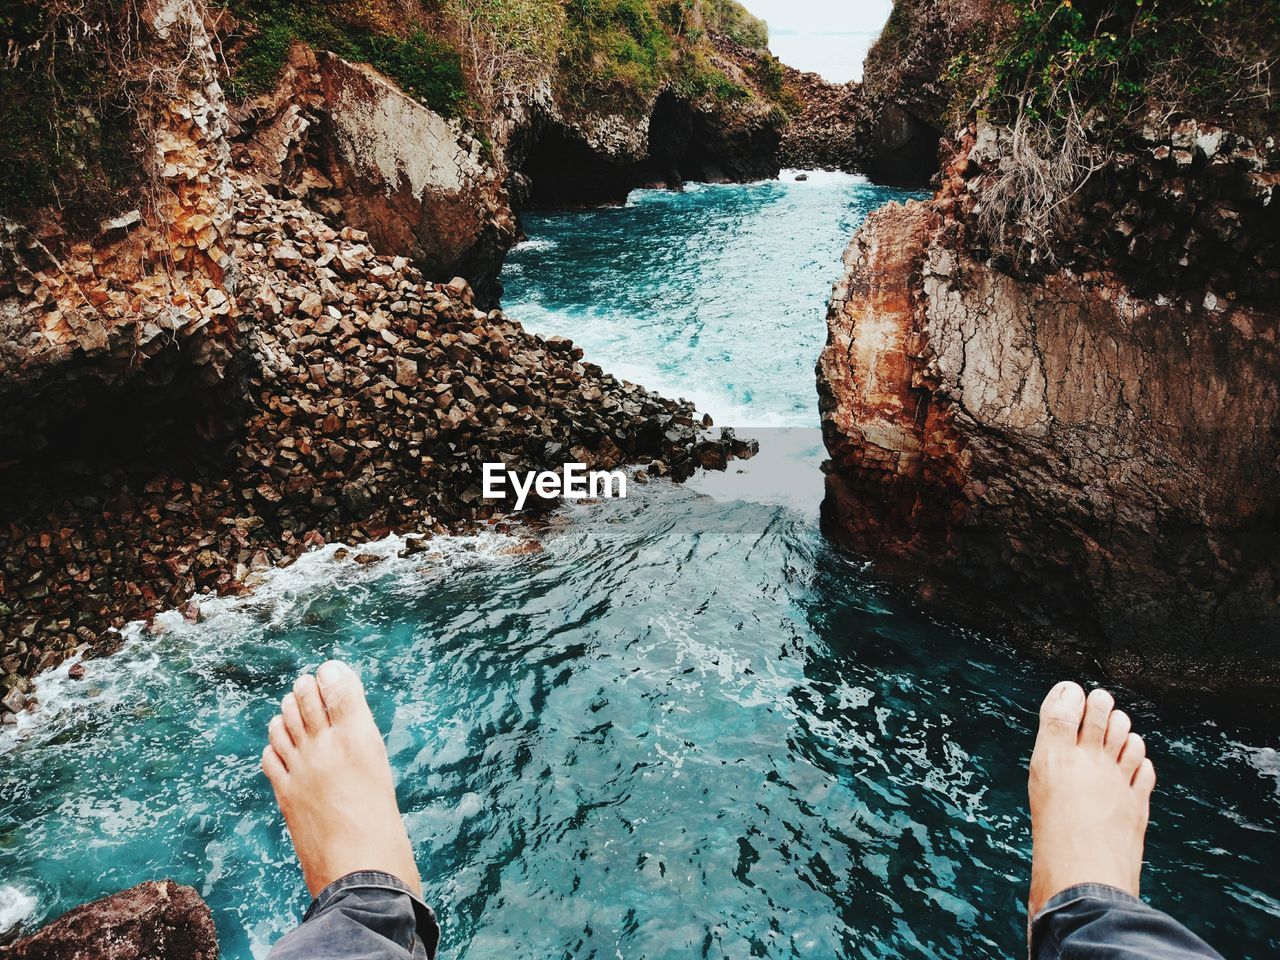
(278, 596)
(1266, 760)
(15, 906)
(818, 178)
(724, 409)
(536, 243)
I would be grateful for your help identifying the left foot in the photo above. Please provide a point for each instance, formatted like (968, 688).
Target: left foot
(329, 769)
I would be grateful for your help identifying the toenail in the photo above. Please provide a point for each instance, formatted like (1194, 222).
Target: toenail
(332, 671)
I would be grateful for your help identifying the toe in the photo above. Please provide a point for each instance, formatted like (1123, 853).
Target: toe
(280, 740)
(340, 689)
(273, 766)
(1097, 713)
(1118, 728)
(307, 693)
(1131, 757)
(1144, 781)
(1061, 712)
(292, 718)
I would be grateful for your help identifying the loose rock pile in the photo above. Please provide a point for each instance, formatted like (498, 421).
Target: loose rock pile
(371, 399)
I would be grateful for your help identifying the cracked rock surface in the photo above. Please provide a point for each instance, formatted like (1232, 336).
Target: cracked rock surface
(1093, 450)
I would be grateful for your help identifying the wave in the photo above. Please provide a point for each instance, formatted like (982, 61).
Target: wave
(536, 244)
(277, 597)
(15, 906)
(822, 177)
(724, 409)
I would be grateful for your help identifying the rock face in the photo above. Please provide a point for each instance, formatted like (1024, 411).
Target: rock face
(904, 92)
(156, 920)
(827, 131)
(354, 146)
(889, 125)
(577, 160)
(412, 180)
(1089, 448)
(147, 302)
(171, 430)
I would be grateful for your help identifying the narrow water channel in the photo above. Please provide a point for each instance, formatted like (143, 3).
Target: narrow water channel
(685, 727)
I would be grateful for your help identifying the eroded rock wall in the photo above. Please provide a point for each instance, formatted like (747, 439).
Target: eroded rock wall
(576, 159)
(149, 299)
(353, 145)
(1090, 449)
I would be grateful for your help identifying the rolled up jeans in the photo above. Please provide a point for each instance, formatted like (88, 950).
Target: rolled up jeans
(370, 915)
(362, 916)
(1093, 921)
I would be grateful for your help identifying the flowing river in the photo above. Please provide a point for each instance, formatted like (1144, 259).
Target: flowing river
(685, 727)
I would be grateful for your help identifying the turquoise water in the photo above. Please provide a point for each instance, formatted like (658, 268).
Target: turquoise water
(685, 727)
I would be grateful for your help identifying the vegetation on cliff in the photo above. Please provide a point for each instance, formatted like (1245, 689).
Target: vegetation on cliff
(737, 23)
(422, 63)
(1116, 61)
(66, 124)
(1052, 60)
(1070, 85)
(470, 56)
(69, 93)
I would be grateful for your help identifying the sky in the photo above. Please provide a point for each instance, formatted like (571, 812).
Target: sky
(829, 37)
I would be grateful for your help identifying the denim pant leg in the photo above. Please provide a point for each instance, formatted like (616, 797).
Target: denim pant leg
(368, 915)
(1093, 921)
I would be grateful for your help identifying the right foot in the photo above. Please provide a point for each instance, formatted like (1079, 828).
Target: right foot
(1090, 789)
(328, 766)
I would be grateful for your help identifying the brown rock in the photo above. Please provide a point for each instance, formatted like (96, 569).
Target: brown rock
(156, 920)
(1085, 463)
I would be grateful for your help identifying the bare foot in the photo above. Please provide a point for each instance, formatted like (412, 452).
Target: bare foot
(1090, 786)
(328, 767)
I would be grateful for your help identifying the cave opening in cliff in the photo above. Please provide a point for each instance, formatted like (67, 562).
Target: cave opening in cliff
(670, 138)
(564, 171)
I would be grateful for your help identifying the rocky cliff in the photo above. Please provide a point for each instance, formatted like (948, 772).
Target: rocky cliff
(357, 148)
(889, 125)
(566, 155)
(910, 93)
(615, 98)
(1074, 421)
(233, 371)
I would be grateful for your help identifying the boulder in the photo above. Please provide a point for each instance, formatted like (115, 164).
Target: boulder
(412, 179)
(156, 920)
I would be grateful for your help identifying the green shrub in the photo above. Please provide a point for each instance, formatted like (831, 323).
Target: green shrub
(425, 66)
(768, 73)
(616, 52)
(66, 121)
(1115, 59)
(697, 78)
(736, 22)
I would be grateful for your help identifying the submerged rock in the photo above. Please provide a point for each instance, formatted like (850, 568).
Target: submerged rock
(156, 920)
